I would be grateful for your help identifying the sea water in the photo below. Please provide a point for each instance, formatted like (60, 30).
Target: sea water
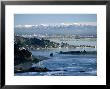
(65, 64)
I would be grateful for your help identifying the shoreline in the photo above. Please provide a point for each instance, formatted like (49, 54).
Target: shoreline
(27, 66)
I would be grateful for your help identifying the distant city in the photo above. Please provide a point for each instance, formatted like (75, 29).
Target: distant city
(55, 36)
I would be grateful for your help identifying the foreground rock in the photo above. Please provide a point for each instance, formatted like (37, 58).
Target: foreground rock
(23, 60)
(32, 69)
(26, 66)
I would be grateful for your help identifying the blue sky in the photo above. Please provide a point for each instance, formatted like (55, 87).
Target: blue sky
(33, 19)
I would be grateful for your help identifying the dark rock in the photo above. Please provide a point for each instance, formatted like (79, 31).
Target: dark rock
(70, 52)
(78, 52)
(51, 54)
(32, 69)
(82, 71)
(38, 69)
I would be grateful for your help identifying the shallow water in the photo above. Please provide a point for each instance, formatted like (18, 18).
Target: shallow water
(65, 64)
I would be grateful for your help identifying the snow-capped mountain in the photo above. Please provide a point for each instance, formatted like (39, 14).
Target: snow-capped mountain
(62, 29)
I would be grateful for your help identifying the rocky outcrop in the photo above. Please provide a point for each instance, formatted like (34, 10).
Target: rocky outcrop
(78, 52)
(21, 54)
(23, 60)
(31, 69)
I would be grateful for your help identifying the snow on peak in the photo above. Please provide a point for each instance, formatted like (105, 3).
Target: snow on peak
(67, 24)
(58, 24)
(19, 26)
(25, 26)
(78, 24)
(28, 26)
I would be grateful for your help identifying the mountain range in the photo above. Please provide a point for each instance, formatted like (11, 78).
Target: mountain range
(57, 29)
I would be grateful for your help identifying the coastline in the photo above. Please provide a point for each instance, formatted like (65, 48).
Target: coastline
(27, 65)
